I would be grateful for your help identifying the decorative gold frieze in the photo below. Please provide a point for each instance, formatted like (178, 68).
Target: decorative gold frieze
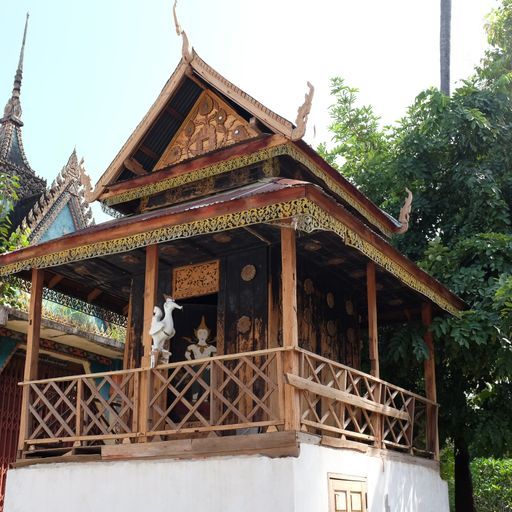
(210, 125)
(225, 166)
(195, 280)
(309, 217)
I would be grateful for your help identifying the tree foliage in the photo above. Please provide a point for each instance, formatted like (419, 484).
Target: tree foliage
(9, 239)
(454, 154)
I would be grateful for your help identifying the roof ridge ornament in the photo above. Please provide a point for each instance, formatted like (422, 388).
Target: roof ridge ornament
(186, 49)
(302, 114)
(405, 213)
(12, 110)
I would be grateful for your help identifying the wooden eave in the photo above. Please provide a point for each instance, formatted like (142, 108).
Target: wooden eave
(277, 199)
(259, 149)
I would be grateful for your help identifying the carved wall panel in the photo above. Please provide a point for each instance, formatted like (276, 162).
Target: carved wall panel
(195, 280)
(211, 124)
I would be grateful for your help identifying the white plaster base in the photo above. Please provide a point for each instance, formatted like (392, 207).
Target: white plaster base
(227, 484)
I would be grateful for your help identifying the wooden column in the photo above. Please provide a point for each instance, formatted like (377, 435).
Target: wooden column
(373, 345)
(32, 356)
(150, 290)
(290, 325)
(430, 381)
(373, 337)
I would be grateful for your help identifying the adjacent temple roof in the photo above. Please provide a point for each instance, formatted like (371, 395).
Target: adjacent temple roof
(46, 212)
(13, 160)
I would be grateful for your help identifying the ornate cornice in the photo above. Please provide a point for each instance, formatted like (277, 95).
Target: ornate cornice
(308, 215)
(225, 166)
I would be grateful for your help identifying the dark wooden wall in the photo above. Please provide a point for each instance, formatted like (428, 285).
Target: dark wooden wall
(249, 315)
(328, 314)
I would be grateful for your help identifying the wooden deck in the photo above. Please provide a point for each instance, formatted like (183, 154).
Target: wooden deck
(240, 394)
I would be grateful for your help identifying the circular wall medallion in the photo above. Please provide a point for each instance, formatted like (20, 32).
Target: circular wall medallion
(169, 250)
(308, 286)
(244, 324)
(335, 261)
(312, 246)
(130, 259)
(349, 307)
(331, 328)
(330, 299)
(222, 238)
(248, 272)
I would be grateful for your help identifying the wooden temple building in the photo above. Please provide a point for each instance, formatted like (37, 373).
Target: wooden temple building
(272, 396)
(67, 346)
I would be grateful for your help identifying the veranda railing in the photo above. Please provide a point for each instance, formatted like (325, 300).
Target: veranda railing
(241, 393)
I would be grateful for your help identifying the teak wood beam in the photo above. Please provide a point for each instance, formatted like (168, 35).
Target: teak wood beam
(148, 152)
(429, 367)
(133, 166)
(290, 324)
(94, 294)
(55, 280)
(32, 355)
(150, 290)
(373, 338)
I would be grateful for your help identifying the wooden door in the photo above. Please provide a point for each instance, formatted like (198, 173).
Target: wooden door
(347, 495)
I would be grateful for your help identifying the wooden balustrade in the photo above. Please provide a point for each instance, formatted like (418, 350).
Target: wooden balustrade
(345, 403)
(241, 393)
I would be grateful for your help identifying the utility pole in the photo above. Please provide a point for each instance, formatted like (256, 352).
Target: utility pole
(444, 47)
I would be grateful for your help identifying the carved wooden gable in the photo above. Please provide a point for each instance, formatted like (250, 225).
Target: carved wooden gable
(210, 125)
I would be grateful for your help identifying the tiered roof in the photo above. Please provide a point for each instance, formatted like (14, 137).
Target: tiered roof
(39, 208)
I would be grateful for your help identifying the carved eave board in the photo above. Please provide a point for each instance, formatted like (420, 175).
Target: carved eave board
(211, 124)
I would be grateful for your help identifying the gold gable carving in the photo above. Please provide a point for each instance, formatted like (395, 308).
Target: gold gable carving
(210, 125)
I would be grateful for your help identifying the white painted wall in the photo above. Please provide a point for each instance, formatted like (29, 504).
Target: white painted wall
(228, 484)
(393, 485)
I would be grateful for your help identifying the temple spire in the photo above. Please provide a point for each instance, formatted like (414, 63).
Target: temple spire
(12, 111)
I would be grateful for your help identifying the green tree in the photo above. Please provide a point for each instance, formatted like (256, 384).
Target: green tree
(9, 239)
(454, 154)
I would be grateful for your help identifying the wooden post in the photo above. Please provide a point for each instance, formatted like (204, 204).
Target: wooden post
(430, 381)
(373, 337)
(373, 344)
(290, 325)
(32, 356)
(150, 289)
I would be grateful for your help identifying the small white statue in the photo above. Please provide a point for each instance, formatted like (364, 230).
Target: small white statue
(162, 329)
(200, 350)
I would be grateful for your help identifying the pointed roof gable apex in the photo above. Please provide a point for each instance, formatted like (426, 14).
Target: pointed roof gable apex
(188, 67)
(66, 189)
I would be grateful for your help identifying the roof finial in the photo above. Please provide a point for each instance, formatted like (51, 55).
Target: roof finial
(405, 213)
(186, 50)
(12, 109)
(303, 113)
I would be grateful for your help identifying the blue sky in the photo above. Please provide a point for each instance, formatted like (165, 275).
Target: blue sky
(93, 68)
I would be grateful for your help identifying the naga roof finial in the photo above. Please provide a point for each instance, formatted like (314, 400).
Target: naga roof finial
(405, 213)
(303, 113)
(12, 110)
(186, 50)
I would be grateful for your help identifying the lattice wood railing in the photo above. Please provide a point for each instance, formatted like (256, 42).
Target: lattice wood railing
(241, 393)
(234, 392)
(341, 402)
(83, 408)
